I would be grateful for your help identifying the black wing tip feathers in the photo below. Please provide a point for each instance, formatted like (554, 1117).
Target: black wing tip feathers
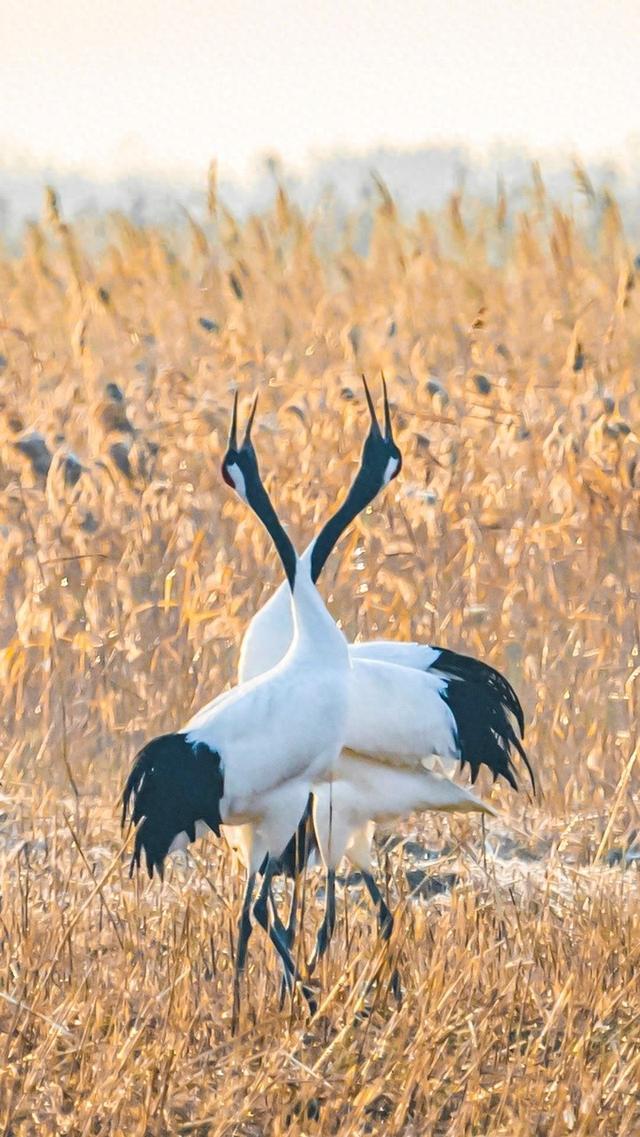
(482, 700)
(525, 758)
(173, 784)
(466, 667)
(492, 746)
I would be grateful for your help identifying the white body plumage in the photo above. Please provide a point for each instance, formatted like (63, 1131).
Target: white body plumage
(364, 794)
(279, 732)
(400, 737)
(397, 712)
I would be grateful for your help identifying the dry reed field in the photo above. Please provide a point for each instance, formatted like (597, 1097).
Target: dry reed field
(511, 345)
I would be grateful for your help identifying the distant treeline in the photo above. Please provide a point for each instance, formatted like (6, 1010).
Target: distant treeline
(340, 184)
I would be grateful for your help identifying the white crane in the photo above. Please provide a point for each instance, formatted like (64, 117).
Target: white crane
(415, 712)
(250, 756)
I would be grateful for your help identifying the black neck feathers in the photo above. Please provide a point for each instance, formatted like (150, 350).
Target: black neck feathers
(260, 502)
(364, 489)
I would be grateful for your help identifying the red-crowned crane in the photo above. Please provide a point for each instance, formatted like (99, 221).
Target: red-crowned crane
(415, 712)
(251, 756)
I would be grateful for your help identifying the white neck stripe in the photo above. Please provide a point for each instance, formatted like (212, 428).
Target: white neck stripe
(239, 483)
(390, 470)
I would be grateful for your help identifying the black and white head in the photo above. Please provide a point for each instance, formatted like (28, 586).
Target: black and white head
(240, 471)
(381, 459)
(240, 463)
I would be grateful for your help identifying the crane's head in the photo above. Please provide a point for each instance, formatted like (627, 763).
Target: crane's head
(240, 464)
(381, 459)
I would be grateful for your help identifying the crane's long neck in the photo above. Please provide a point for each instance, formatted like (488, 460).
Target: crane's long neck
(260, 503)
(273, 628)
(363, 491)
(314, 631)
(310, 565)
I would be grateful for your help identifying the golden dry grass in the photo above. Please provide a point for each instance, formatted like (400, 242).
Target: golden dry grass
(512, 355)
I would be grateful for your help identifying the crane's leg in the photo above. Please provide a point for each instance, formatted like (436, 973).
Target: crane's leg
(288, 930)
(292, 920)
(385, 926)
(325, 932)
(244, 932)
(261, 913)
(276, 922)
(385, 916)
(295, 868)
(287, 935)
(294, 861)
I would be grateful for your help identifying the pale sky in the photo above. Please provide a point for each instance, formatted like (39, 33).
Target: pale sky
(110, 85)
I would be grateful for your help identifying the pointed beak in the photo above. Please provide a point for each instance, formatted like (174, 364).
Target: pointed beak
(233, 433)
(375, 429)
(388, 433)
(247, 434)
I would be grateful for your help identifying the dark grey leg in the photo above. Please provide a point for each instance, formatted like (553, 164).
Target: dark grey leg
(261, 913)
(286, 931)
(244, 932)
(385, 916)
(292, 922)
(385, 926)
(328, 924)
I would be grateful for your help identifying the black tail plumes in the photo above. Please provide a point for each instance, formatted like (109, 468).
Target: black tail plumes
(481, 701)
(465, 667)
(174, 783)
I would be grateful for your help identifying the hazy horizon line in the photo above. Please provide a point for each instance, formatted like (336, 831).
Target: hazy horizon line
(14, 158)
